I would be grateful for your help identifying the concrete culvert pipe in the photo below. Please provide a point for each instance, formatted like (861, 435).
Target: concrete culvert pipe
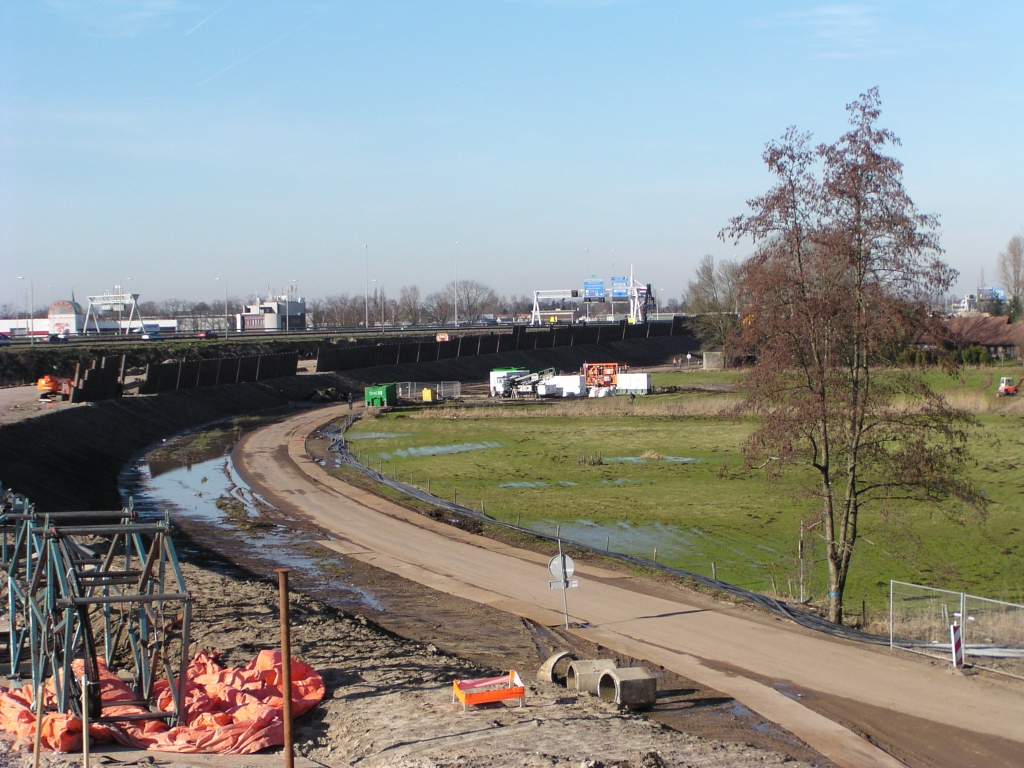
(632, 687)
(586, 674)
(556, 667)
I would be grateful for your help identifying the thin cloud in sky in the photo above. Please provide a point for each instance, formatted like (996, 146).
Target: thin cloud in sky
(116, 18)
(245, 58)
(846, 31)
(197, 26)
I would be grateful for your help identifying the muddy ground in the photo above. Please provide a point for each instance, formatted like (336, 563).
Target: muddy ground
(388, 699)
(388, 660)
(389, 646)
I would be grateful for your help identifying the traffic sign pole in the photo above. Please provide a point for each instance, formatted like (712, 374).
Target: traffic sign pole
(565, 587)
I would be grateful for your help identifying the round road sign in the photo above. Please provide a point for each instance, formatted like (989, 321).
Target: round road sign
(555, 567)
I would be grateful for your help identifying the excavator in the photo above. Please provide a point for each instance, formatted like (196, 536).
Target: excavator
(54, 388)
(1008, 387)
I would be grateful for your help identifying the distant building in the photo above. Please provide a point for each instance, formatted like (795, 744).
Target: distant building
(66, 318)
(278, 313)
(998, 335)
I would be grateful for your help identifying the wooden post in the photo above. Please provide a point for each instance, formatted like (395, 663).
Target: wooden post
(37, 744)
(607, 543)
(655, 554)
(286, 667)
(713, 574)
(85, 721)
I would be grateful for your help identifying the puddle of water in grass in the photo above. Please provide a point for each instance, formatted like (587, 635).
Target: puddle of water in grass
(350, 436)
(524, 484)
(436, 450)
(641, 460)
(192, 491)
(689, 548)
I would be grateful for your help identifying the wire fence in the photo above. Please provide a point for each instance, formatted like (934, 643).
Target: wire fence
(413, 390)
(919, 617)
(993, 630)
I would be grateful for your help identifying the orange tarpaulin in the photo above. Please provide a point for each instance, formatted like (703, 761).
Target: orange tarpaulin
(230, 711)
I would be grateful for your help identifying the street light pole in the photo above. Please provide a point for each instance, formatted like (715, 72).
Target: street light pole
(374, 281)
(29, 311)
(120, 307)
(366, 292)
(456, 283)
(227, 328)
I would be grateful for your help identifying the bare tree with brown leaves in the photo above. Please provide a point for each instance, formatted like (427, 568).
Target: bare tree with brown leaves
(1011, 273)
(843, 262)
(711, 296)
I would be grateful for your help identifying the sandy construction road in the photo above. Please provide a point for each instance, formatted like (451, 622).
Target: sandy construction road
(768, 666)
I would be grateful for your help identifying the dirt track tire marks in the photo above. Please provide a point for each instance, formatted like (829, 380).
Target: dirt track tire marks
(663, 628)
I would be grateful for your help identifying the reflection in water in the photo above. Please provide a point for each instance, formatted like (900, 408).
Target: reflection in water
(192, 490)
(437, 450)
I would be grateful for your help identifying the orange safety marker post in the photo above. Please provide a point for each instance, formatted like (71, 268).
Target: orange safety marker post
(484, 690)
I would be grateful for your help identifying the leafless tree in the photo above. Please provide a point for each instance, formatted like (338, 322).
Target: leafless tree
(439, 307)
(835, 282)
(713, 297)
(1011, 272)
(475, 300)
(409, 305)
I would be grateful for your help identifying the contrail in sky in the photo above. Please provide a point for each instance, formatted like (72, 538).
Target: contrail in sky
(197, 26)
(275, 41)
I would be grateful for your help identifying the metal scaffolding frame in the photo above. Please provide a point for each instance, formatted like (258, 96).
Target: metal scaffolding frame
(89, 586)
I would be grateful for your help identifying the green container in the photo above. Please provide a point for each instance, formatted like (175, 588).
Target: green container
(381, 395)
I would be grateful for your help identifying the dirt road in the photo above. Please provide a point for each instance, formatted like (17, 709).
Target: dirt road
(768, 666)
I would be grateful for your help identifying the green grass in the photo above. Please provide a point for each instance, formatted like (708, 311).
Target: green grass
(712, 510)
(695, 377)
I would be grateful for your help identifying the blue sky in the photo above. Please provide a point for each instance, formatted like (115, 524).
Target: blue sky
(175, 141)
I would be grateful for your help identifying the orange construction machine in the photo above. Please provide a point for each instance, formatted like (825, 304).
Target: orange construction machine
(54, 388)
(603, 374)
(1007, 387)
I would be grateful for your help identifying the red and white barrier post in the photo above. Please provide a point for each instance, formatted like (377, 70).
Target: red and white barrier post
(956, 644)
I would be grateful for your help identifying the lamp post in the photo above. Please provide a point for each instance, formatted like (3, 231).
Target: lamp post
(374, 281)
(456, 283)
(120, 307)
(366, 293)
(288, 307)
(224, 280)
(29, 310)
(585, 302)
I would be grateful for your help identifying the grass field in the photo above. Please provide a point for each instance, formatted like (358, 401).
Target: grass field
(580, 467)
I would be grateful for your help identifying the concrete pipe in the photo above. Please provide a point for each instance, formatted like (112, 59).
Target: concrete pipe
(585, 675)
(632, 687)
(548, 672)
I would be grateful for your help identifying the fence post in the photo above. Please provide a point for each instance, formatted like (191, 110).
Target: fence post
(963, 625)
(891, 628)
(714, 573)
